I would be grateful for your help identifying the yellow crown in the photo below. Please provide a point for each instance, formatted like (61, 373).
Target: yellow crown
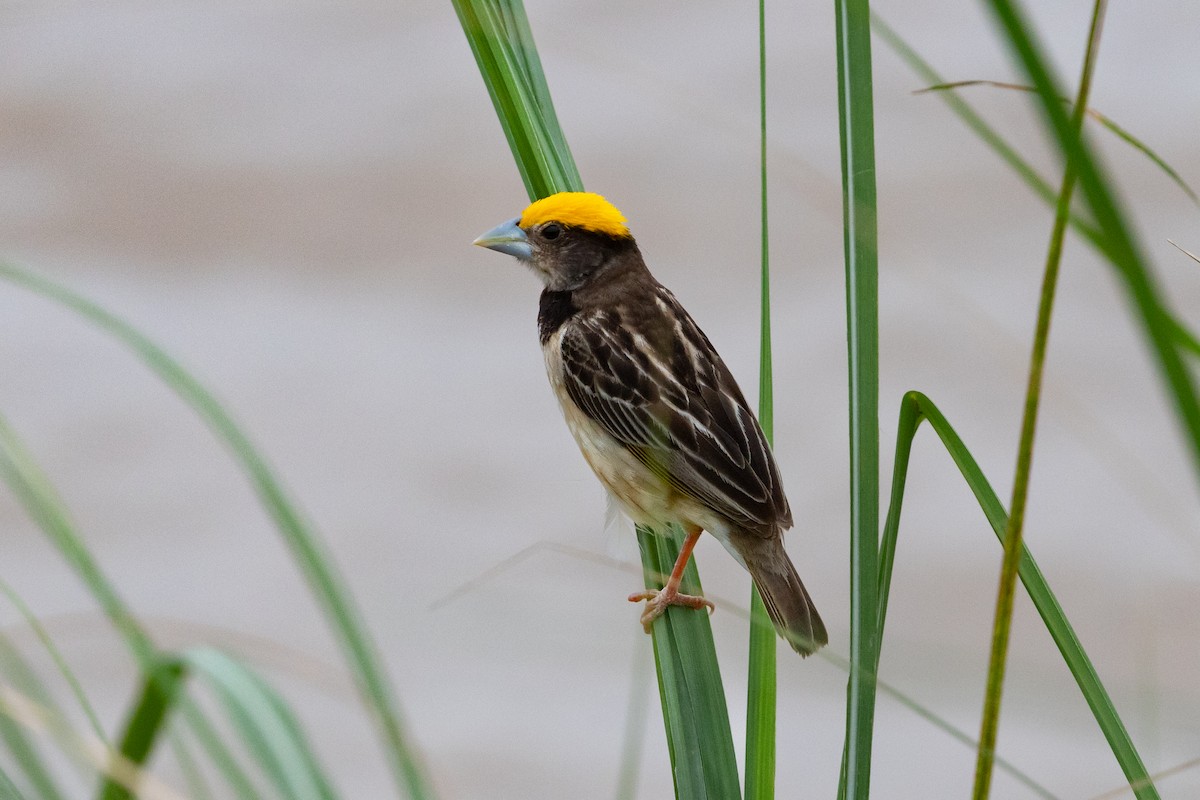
(579, 210)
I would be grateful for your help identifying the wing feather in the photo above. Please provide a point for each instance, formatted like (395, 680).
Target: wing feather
(656, 384)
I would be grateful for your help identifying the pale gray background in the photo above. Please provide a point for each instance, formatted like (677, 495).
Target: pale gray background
(284, 196)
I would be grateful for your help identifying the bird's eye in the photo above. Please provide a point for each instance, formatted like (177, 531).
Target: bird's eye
(551, 231)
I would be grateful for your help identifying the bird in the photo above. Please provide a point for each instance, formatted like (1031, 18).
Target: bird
(655, 411)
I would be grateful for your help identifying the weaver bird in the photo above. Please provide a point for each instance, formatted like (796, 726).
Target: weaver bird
(654, 409)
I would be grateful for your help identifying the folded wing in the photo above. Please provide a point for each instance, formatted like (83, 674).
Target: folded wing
(655, 383)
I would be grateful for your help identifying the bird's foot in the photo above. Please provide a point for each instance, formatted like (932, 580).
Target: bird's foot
(658, 602)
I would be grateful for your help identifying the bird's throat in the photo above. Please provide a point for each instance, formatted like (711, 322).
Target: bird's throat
(554, 309)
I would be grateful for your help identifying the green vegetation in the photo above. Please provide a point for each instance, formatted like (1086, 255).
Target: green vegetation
(258, 749)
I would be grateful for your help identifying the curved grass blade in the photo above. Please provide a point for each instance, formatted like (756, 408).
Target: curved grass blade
(42, 504)
(916, 408)
(266, 726)
(8, 789)
(1119, 244)
(265, 723)
(857, 136)
(82, 746)
(24, 751)
(307, 548)
(56, 655)
(1107, 122)
(197, 785)
(761, 677)
(1040, 186)
(978, 125)
(1016, 519)
(693, 698)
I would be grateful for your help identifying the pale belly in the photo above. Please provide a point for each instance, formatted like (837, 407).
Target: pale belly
(644, 496)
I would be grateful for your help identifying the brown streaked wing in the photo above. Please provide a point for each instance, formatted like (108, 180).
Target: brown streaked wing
(654, 382)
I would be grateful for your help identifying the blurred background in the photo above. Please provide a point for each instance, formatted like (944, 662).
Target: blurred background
(284, 195)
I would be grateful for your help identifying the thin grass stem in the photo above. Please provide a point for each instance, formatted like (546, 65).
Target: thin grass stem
(761, 702)
(56, 655)
(1002, 625)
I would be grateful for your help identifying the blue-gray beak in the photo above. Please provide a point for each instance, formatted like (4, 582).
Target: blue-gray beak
(507, 238)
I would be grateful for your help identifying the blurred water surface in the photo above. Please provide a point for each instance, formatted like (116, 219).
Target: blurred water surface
(284, 196)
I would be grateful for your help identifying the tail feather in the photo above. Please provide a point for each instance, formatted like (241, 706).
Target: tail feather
(787, 601)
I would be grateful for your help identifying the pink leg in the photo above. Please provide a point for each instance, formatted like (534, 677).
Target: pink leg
(658, 602)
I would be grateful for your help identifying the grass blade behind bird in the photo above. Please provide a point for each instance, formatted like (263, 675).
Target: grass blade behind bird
(857, 135)
(761, 676)
(916, 408)
(693, 699)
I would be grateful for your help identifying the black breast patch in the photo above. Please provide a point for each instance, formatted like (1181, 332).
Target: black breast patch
(554, 309)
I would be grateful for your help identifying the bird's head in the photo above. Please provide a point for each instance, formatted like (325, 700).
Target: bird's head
(566, 239)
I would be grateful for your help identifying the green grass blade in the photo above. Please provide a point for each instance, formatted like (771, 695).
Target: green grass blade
(56, 655)
(307, 548)
(693, 699)
(1024, 170)
(42, 503)
(857, 134)
(197, 785)
(1137, 144)
(500, 38)
(1119, 243)
(989, 135)
(146, 722)
(699, 740)
(1105, 121)
(265, 723)
(761, 703)
(31, 487)
(8, 789)
(916, 408)
(82, 747)
(962, 737)
(761, 678)
(24, 751)
(1012, 540)
(266, 726)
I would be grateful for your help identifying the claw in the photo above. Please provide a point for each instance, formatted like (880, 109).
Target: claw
(658, 602)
